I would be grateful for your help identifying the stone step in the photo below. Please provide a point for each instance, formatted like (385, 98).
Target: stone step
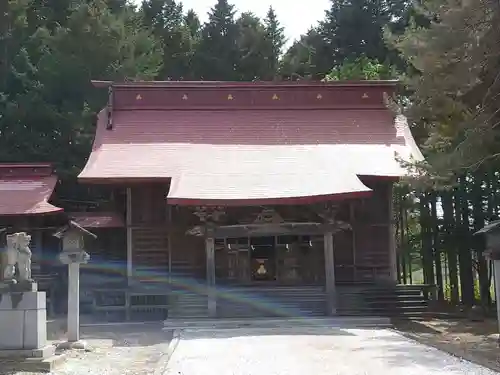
(332, 322)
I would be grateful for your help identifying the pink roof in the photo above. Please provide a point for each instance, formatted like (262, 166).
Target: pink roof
(252, 154)
(25, 189)
(97, 219)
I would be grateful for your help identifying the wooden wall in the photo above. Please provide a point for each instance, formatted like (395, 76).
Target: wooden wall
(149, 226)
(363, 254)
(159, 235)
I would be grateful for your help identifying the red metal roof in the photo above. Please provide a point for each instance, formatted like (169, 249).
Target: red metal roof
(97, 219)
(25, 189)
(254, 154)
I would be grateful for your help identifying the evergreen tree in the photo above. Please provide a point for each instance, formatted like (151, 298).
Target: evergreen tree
(251, 45)
(353, 28)
(307, 58)
(455, 84)
(217, 56)
(48, 105)
(193, 24)
(275, 40)
(168, 22)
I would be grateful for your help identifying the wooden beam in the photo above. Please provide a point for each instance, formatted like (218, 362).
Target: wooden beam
(129, 234)
(211, 291)
(255, 230)
(331, 293)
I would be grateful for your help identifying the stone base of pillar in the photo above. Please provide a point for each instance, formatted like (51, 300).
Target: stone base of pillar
(23, 338)
(75, 345)
(23, 321)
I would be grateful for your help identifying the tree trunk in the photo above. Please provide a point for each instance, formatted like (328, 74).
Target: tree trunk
(463, 241)
(426, 233)
(436, 247)
(450, 246)
(478, 241)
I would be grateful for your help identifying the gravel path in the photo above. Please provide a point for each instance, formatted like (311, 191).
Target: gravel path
(118, 350)
(318, 351)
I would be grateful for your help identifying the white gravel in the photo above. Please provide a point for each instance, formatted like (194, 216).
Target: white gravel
(314, 351)
(118, 350)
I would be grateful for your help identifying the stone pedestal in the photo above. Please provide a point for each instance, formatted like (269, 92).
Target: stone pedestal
(23, 321)
(23, 332)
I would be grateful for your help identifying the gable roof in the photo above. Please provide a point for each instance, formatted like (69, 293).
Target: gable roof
(228, 143)
(25, 189)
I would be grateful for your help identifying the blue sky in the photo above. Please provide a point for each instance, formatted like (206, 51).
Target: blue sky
(295, 16)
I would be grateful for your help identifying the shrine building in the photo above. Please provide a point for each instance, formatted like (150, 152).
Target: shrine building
(253, 199)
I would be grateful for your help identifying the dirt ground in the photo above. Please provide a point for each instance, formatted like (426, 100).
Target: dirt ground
(475, 341)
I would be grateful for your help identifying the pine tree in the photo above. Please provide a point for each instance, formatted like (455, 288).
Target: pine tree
(455, 83)
(217, 56)
(353, 28)
(167, 19)
(193, 24)
(275, 40)
(253, 63)
(307, 58)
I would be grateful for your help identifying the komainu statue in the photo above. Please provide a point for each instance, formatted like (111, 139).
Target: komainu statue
(18, 254)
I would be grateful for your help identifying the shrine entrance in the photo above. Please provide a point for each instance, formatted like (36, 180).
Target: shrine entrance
(270, 260)
(263, 259)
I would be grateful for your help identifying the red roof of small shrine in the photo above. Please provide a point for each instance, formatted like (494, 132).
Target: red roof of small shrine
(25, 189)
(251, 143)
(97, 219)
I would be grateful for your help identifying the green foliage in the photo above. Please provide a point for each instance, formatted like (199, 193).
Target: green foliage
(251, 41)
(361, 68)
(454, 83)
(351, 30)
(217, 55)
(47, 103)
(178, 34)
(307, 58)
(274, 42)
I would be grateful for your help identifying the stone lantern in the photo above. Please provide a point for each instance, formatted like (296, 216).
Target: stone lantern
(73, 254)
(492, 252)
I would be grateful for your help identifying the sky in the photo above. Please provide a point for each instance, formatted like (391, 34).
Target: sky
(295, 16)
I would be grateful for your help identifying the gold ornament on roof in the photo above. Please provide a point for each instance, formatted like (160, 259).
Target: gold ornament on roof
(138, 97)
(230, 97)
(275, 97)
(184, 97)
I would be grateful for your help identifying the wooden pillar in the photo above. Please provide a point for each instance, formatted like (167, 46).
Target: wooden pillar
(331, 293)
(393, 258)
(37, 255)
(211, 289)
(169, 243)
(496, 278)
(129, 235)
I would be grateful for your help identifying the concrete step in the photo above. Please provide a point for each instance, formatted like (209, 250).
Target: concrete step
(335, 322)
